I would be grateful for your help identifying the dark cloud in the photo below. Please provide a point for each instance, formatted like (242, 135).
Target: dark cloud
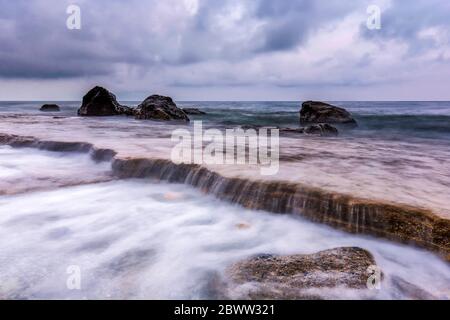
(188, 43)
(37, 43)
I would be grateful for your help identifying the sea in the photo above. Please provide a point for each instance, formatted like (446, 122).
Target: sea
(148, 239)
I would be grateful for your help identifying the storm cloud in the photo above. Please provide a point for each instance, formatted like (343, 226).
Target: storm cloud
(210, 49)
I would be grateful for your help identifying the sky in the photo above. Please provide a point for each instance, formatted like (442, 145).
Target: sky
(226, 49)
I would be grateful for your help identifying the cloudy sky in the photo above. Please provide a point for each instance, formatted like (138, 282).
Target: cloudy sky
(226, 49)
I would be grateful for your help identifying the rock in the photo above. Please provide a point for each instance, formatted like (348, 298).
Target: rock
(322, 129)
(158, 107)
(320, 112)
(254, 127)
(50, 108)
(100, 102)
(193, 111)
(128, 111)
(292, 130)
(290, 277)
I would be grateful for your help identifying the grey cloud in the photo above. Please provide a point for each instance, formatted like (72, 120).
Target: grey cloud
(225, 43)
(117, 32)
(289, 23)
(405, 20)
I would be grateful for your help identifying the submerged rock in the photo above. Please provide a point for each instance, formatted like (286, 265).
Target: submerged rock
(50, 108)
(289, 277)
(193, 111)
(128, 111)
(292, 130)
(100, 102)
(321, 112)
(322, 129)
(158, 107)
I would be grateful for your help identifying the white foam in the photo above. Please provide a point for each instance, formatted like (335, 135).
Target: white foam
(26, 169)
(138, 239)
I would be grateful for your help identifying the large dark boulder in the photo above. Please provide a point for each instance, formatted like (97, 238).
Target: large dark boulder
(100, 102)
(293, 277)
(158, 107)
(321, 112)
(50, 108)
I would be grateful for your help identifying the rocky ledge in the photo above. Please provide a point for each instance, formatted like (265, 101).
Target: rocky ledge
(321, 112)
(291, 277)
(50, 108)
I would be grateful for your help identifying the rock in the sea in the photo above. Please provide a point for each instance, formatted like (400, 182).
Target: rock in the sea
(158, 107)
(290, 277)
(100, 102)
(128, 111)
(50, 108)
(322, 129)
(193, 111)
(321, 112)
(292, 130)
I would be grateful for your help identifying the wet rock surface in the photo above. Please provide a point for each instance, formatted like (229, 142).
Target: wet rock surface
(158, 107)
(321, 112)
(50, 108)
(100, 102)
(321, 129)
(290, 277)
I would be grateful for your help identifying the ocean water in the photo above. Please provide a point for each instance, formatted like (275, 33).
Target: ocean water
(134, 239)
(390, 120)
(399, 153)
(145, 239)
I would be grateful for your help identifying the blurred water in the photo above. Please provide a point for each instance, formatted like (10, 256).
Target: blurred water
(143, 239)
(26, 169)
(135, 239)
(390, 120)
